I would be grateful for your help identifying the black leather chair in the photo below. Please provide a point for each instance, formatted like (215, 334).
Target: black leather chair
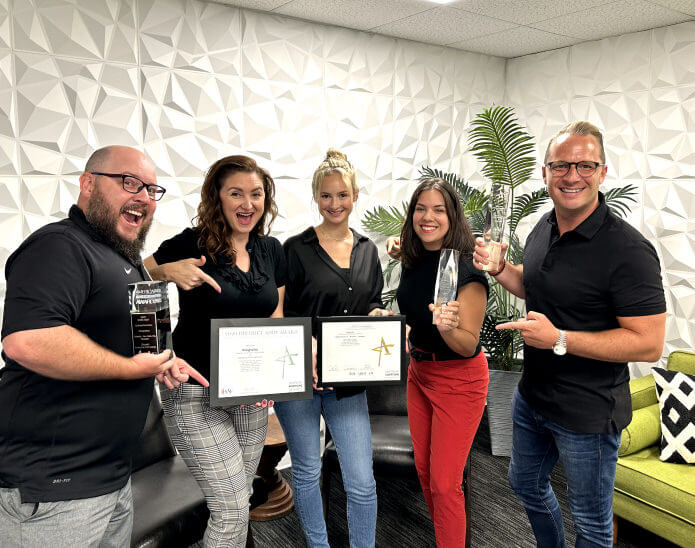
(169, 507)
(392, 448)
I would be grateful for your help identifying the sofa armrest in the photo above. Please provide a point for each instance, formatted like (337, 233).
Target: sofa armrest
(643, 392)
(643, 431)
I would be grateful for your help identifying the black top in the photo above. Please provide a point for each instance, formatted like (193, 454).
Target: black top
(63, 440)
(416, 292)
(317, 286)
(582, 281)
(252, 294)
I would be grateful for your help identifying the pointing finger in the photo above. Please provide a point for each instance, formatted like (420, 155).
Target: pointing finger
(208, 280)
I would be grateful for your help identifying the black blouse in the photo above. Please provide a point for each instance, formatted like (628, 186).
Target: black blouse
(416, 291)
(317, 286)
(252, 294)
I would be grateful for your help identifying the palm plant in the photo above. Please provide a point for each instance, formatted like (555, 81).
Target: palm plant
(507, 154)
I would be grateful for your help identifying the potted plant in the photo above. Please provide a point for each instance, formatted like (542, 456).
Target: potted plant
(507, 155)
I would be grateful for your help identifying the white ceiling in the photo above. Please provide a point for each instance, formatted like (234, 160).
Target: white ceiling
(505, 28)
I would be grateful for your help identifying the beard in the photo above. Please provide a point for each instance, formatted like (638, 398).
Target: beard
(105, 221)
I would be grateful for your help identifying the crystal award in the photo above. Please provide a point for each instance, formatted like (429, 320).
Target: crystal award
(446, 287)
(495, 219)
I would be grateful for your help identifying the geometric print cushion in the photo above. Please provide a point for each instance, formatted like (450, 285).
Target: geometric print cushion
(676, 393)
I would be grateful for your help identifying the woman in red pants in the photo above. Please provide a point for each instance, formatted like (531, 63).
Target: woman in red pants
(448, 376)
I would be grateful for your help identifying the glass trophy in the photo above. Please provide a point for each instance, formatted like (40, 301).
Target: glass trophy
(495, 219)
(149, 316)
(445, 289)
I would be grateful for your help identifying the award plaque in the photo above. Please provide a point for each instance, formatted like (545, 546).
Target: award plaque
(495, 219)
(361, 350)
(446, 286)
(252, 359)
(149, 316)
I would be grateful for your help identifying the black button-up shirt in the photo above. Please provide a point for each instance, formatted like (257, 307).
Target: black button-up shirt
(317, 286)
(582, 281)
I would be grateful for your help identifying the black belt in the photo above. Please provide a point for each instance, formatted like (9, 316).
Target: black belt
(445, 355)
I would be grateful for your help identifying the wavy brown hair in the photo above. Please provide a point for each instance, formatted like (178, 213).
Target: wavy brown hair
(215, 232)
(459, 235)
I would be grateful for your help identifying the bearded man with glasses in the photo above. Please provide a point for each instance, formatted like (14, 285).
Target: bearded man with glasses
(594, 301)
(73, 397)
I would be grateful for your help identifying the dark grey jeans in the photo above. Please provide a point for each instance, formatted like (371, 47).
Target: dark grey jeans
(105, 521)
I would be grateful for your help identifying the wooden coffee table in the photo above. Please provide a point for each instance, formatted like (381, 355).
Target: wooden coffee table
(280, 501)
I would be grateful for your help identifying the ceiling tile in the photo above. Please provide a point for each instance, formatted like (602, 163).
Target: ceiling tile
(443, 25)
(684, 6)
(524, 12)
(359, 14)
(612, 19)
(515, 42)
(263, 5)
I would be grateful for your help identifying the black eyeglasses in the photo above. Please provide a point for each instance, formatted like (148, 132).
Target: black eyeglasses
(134, 185)
(584, 169)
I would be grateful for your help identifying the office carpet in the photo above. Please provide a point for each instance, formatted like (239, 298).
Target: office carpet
(498, 519)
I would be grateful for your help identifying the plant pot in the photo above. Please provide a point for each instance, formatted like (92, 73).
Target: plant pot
(499, 410)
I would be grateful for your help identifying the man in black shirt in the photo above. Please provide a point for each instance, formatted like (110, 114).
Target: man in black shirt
(73, 398)
(595, 301)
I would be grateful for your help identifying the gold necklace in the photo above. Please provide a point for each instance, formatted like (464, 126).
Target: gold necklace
(327, 237)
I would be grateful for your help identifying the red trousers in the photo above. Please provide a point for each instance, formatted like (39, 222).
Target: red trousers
(445, 404)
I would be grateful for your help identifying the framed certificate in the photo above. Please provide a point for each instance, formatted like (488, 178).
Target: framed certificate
(259, 358)
(361, 350)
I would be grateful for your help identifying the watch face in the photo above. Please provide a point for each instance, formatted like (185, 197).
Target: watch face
(559, 349)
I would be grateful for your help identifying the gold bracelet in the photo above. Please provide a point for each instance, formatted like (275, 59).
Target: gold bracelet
(499, 270)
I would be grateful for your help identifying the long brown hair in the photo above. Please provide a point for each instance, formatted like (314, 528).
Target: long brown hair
(215, 232)
(459, 236)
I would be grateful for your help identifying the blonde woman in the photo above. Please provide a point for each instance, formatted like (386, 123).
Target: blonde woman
(332, 271)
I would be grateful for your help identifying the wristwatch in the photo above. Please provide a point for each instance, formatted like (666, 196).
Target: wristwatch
(560, 346)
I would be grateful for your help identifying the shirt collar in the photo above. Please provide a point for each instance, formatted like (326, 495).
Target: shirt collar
(310, 236)
(591, 225)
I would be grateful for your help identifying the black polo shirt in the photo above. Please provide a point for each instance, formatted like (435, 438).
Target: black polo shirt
(252, 294)
(63, 440)
(317, 286)
(582, 281)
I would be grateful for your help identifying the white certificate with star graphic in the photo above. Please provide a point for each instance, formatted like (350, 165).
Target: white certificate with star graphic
(252, 359)
(361, 350)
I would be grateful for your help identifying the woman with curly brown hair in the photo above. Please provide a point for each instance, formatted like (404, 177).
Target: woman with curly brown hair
(225, 267)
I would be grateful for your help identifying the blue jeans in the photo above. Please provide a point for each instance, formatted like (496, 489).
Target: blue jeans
(589, 461)
(348, 421)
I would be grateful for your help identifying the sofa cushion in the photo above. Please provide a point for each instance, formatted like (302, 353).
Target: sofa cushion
(644, 430)
(681, 360)
(643, 392)
(665, 486)
(676, 393)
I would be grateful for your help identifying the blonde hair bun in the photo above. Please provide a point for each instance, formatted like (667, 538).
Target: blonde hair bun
(335, 162)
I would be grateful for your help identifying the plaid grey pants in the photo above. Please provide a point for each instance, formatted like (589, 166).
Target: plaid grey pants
(221, 448)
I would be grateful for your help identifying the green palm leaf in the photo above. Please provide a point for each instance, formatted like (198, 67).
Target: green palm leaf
(471, 198)
(385, 221)
(618, 199)
(503, 146)
(525, 205)
(393, 266)
(388, 297)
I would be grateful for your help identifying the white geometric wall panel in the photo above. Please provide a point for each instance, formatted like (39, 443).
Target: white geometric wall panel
(640, 89)
(190, 81)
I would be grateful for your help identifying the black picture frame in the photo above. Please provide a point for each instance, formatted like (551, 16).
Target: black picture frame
(404, 358)
(262, 324)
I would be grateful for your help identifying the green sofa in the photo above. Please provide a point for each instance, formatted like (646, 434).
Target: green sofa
(657, 496)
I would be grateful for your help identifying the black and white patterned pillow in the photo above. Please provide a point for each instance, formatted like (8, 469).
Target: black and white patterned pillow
(676, 393)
